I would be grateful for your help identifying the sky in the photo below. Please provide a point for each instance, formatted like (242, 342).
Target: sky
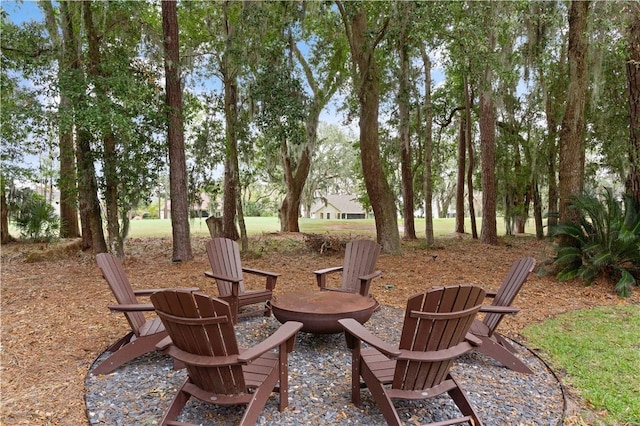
(22, 11)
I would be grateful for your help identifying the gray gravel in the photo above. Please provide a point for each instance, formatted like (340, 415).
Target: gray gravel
(319, 387)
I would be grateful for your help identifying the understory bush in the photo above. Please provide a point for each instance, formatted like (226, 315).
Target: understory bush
(606, 242)
(35, 218)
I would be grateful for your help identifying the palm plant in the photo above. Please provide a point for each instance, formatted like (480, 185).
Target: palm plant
(35, 218)
(605, 242)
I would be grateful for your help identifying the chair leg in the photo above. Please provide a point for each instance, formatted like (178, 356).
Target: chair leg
(121, 342)
(260, 397)
(356, 365)
(126, 353)
(463, 403)
(177, 404)
(267, 311)
(380, 396)
(504, 342)
(501, 354)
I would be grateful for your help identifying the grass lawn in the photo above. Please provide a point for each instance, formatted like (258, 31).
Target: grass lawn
(259, 225)
(599, 349)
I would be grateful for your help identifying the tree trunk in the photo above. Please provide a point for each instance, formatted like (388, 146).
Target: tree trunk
(537, 210)
(115, 241)
(67, 57)
(368, 83)
(294, 180)
(229, 201)
(633, 78)
(296, 176)
(405, 140)
(177, 162)
(214, 224)
(322, 93)
(572, 146)
(460, 185)
(471, 155)
(552, 132)
(428, 150)
(232, 198)
(69, 227)
(5, 237)
(85, 222)
(90, 214)
(489, 233)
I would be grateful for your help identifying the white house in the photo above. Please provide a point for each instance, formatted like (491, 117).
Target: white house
(338, 207)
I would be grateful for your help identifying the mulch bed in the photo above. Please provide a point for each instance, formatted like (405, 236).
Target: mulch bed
(55, 322)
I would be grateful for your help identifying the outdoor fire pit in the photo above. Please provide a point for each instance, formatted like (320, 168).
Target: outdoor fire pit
(319, 312)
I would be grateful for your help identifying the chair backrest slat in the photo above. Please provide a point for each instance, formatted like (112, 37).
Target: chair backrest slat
(359, 259)
(509, 289)
(430, 334)
(114, 274)
(211, 338)
(224, 259)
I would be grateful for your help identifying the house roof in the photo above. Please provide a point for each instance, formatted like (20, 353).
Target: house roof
(342, 203)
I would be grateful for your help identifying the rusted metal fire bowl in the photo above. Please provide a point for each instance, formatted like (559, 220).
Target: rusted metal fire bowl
(320, 311)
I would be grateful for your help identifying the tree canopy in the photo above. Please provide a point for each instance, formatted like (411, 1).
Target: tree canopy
(496, 108)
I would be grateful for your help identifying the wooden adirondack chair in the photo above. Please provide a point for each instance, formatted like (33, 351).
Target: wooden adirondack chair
(493, 344)
(433, 335)
(145, 333)
(358, 270)
(218, 372)
(224, 258)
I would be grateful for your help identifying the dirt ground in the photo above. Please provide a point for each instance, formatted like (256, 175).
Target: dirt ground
(55, 320)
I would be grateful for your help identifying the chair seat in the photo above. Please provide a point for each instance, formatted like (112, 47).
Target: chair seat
(255, 296)
(257, 372)
(381, 366)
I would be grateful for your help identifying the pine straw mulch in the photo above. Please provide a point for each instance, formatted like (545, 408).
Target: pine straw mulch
(55, 320)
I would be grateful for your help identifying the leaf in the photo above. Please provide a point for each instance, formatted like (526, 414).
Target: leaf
(567, 274)
(602, 259)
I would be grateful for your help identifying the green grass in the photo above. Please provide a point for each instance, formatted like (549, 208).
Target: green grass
(259, 225)
(599, 349)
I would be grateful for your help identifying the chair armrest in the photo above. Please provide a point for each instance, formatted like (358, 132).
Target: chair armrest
(499, 309)
(259, 272)
(150, 291)
(473, 339)
(282, 334)
(321, 275)
(133, 307)
(271, 276)
(374, 274)
(328, 270)
(210, 274)
(357, 330)
(436, 356)
(146, 291)
(365, 282)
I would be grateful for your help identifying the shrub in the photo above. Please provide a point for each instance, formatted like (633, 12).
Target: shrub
(35, 218)
(605, 242)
